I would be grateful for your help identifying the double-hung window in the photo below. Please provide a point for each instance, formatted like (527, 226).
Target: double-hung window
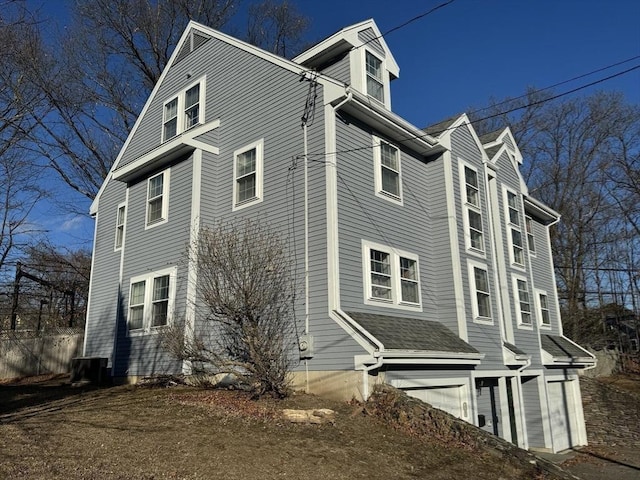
(247, 174)
(120, 219)
(183, 111)
(543, 309)
(388, 180)
(157, 198)
(480, 292)
(391, 277)
(374, 76)
(515, 235)
(521, 293)
(151, 300)
(473, 216)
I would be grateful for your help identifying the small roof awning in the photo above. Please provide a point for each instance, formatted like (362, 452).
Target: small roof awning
(515, 355)
(415, 337)
(560, 350)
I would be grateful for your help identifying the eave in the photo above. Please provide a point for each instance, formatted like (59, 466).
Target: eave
(389, 124)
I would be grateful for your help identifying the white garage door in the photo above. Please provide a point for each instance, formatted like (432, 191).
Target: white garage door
(564, 427)
(448, 399)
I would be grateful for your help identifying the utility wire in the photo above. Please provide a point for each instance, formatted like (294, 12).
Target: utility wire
(531, 104)
(556, 84)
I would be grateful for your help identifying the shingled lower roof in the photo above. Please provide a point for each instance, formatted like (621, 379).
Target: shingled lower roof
(561, 348)
(404, 333)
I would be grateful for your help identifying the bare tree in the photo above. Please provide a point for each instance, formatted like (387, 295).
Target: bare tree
(19, 189)
(581, 158)
(277, 27)
(245, 299)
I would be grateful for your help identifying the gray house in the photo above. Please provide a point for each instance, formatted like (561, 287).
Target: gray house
(429, 265)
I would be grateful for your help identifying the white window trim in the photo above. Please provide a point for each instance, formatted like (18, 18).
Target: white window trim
(165, 200)
(541, 325)
(360, 59)
(377, 165)
(181, 120)
(116, 247)
(468, 206)
(259, 147)
(148, 293)
(396, 283)
(471, 265)
(513, 227)
(516, 302)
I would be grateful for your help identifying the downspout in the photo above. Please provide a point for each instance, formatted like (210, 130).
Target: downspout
(337, 310)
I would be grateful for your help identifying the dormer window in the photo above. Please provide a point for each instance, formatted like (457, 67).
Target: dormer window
(375, 82)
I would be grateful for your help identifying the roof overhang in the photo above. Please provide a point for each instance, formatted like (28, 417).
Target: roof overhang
(389, 124)
(562, 351)
(540, 210)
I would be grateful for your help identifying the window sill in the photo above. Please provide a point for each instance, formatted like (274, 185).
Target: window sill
(246, 203)
(379, 302)
(525, 326)
(389, 197)
(483, 320)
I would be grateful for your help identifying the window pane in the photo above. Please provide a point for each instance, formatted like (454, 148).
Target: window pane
(484, 307)
(155, 210)
(482, 282)
(380, 292)
(171, 109)
(155, 186)
(120, 220)
(374, 66)
(246, 188)
(136, 317)
(380, 262)
(475, 229)
(530, 238)
(192, 96)
(137, 293)
(191, 116)
(471, 177)
(390, 182)
(389, 156)
(473, 196)
(544, 310)
(246, 163)
(171, 129)
(375, 89)
(159, 314)
(408, 269)
(161, 288)
(409, 291)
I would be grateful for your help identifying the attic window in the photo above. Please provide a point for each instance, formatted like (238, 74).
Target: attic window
(184, 110)
(375, 82)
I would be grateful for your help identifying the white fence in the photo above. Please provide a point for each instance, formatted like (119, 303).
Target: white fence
(32, 353)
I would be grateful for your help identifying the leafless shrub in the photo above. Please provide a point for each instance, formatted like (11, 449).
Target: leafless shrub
(245, 308)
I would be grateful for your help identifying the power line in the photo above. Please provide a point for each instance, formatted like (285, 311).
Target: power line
(538, 102)
(398, 27)
(578, 77)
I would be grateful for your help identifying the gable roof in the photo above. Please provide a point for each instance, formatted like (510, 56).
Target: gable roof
(343, 41)
(442, 126)
(404, 333)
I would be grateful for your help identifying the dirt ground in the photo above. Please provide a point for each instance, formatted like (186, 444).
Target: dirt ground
(50, 430)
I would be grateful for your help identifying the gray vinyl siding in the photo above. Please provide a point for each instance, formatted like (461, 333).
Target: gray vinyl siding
(255, 100)
(533, 412)
(369, 37)
(486, 338)
(340, 69)
(527, 339)
(149, 250)
(542, 272)
(507, 141)
(441, 270)
(103, 301)
(364, 216)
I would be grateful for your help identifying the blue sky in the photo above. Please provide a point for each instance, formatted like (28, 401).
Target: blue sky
(469, 51)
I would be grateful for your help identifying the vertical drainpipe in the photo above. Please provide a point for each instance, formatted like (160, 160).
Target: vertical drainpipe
(306, 246)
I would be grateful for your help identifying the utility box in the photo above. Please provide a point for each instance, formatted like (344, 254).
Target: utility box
(89, 370)
(305, 346)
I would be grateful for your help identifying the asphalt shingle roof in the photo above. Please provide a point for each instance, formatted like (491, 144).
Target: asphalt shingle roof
(561, 347)
(437, 128)
(514, 349)
(404, 333)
